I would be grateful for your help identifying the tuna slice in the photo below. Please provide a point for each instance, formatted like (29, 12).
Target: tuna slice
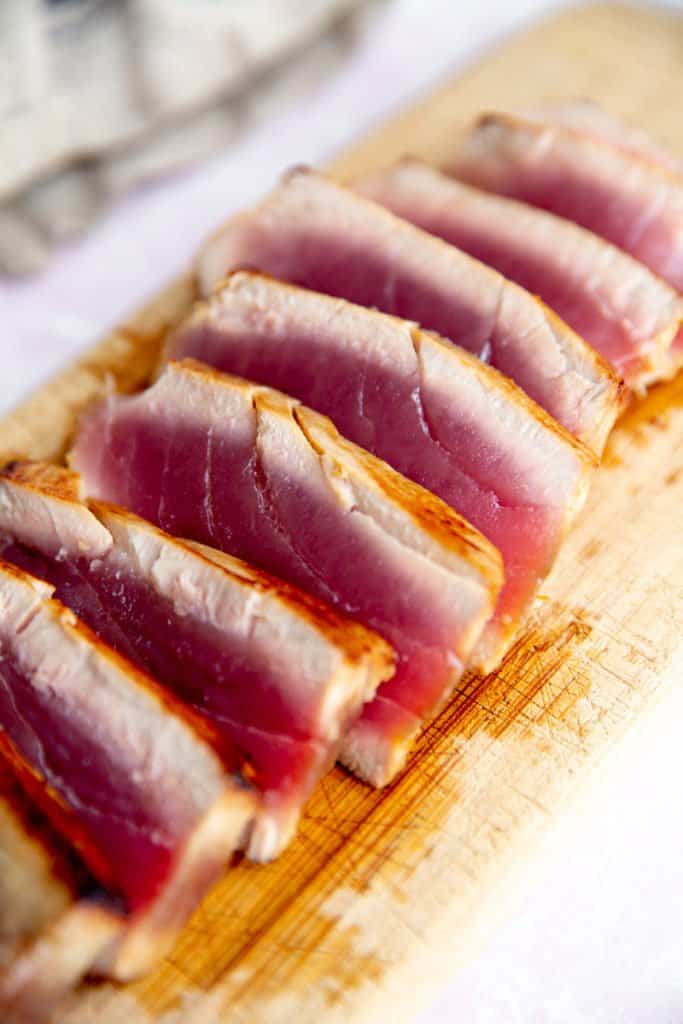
(627, 313)
(312, 232)
(54, 922)
(586, 116)
(623, 196)
(279, 674)
(250, 471)
(431, 410)
(117, 766)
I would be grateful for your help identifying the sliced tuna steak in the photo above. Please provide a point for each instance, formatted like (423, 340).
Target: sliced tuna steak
(54, 921)
(250, 471)
(431, 410)
(315, 233)
(118, 766)
(624, 197)
(587, 117)
(590, 119)
(627, 313)
(278, 673)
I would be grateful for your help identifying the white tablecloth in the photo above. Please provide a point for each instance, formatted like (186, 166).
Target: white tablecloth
(593, 932)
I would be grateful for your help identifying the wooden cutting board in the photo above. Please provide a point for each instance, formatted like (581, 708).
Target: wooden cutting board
(382, 893)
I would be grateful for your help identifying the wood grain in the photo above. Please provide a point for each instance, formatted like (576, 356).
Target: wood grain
(382, 892)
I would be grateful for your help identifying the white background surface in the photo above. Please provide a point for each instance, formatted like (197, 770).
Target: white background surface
(595, 936)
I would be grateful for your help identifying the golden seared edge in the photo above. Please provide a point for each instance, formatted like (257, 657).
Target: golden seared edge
(161, 734)
(306, 199)
(410, 513)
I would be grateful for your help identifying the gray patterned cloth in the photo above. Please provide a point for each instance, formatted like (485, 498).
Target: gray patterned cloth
(99, 95)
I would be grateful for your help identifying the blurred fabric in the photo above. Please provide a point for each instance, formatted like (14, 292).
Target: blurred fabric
(99, 95)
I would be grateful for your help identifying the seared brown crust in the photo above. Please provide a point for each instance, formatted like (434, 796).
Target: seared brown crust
(347, 660)
(64, 862)
(50, 935)
(448, 529)
(163, 697)
(64, 820)
(42, 588)
(54, 921)
(451, 530)
(227, 808)
(224, 380)
(601, 365)
(55, 481)
(355, 640)
(491, 377)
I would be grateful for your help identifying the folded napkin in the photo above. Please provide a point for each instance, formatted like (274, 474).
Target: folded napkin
(99, 95)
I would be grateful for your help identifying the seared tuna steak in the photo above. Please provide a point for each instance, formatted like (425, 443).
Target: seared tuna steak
(627, 313)
(250, 471)
(315, 233)
(278, 673)
(120, 768)
(623, 196)
(587, 117)
(54, 920)
(431, 410)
